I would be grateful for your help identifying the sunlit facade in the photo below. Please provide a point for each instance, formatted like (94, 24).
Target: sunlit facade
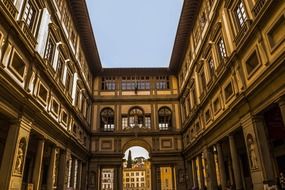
(215, 118)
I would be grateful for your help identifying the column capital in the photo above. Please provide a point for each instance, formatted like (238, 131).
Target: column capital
(22, 120)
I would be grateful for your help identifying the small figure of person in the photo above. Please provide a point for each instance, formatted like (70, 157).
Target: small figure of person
(252, 153)
(20, 157)
(282, 180)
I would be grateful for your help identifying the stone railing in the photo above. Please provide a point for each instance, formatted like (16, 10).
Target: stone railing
(8, 4)
(258, 6)
(27, 31)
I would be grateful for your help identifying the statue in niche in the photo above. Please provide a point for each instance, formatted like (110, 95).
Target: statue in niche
(252, 152)
(20, 156)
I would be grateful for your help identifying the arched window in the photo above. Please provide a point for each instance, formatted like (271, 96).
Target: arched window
(107, 119)
(136, 117)
(164, 119)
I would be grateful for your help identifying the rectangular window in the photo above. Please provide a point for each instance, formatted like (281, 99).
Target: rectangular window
(30, 15)
(60, 68)
(50, 49)
(222, 48)
(77, 97)
(241, 14)
(162, 82)
(108, 83)
(147, 122)
(135, 83)
(69, 81)
(124, 122)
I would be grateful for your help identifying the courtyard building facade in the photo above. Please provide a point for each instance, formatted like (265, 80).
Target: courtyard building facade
(214, 119)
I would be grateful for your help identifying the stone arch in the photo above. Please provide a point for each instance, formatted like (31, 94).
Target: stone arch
(137, 142)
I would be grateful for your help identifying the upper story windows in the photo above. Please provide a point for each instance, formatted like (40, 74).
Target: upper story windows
(136, 117)
(164, 119)
(135, 83)
(29, 15)
(240, 13)
(222, 48)
(108, 83)
(50, 49)
(69, 80)
(60, 67)
(162, 82)
(107, 121)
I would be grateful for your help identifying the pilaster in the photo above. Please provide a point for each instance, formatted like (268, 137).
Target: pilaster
(12, 167)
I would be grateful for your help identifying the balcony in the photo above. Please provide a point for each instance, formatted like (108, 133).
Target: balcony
(28, 33)
(8, 4)
(258, 6)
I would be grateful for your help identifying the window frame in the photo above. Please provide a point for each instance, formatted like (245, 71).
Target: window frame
(35, 18)
(165, 119)
(109, 124)
(49, 55)
(138, 118)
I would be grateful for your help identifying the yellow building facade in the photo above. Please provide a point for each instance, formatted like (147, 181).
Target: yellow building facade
(215, 118)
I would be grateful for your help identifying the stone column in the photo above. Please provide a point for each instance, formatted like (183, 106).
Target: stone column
(281, 104)
(62, 180)
(235, 163)
(201, 172)
(212, 178)
(51, 169)
(38, 164)
(221, 162)
(14, 155)
(194, 168)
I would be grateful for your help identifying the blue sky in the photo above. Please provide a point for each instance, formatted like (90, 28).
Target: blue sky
(135, 33)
